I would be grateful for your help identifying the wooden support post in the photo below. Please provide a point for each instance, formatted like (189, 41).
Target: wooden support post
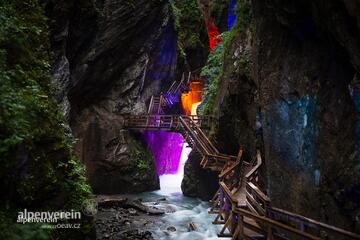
(239, 231)
(269, 234)
(151, 105)
(189, 77)
(171, 122)
(147, 121)
(227, 225)
(218, 218)
(202, 161)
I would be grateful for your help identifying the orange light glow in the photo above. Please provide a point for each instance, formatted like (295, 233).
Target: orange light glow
(194, 108)
(192, 99)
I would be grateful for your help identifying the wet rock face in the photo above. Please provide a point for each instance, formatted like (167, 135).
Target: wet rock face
(106, 54)
(235, 104)
(198, 182)
(303, 58)
(308, 115)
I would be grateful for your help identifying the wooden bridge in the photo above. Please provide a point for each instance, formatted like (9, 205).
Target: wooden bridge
(191, 128)
(241, 206)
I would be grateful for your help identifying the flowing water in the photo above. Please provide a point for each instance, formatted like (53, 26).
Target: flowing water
(186, 209)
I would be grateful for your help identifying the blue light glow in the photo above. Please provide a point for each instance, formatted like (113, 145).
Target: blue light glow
(163, 61)
(293, 130)
(232, 14)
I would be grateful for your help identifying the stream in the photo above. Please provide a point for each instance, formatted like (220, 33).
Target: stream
(186, 209)
(128, 223)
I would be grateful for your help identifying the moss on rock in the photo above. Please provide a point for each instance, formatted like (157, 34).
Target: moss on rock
(192, 35)
(141, 156)
(219, 12)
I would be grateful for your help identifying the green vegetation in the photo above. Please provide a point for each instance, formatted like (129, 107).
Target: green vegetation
(213, 71)
(244, 15)
(38, 166)
(218, 10)
(141, 155)
(22, 232)
(189, 24)
(243, 21)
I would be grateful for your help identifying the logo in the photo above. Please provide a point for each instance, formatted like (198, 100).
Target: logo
(46, 217)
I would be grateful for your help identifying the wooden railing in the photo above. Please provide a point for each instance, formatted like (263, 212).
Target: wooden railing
(178, 87)
(157, 104)
(211, 158)
(229, 174)
(270, 229)
(304, 224)
(164, 122)
(192, 129)
(263, 220)
(256, 200)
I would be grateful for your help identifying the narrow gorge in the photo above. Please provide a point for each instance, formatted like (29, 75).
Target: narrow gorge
(180, 119)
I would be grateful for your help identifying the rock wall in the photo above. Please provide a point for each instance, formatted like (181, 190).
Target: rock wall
(288, 87)
(198, 182)
(109, 61)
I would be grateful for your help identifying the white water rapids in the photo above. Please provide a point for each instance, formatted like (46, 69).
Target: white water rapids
(186, 209)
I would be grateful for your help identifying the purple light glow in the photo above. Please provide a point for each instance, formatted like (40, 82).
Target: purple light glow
(173, 98)
(166, 147)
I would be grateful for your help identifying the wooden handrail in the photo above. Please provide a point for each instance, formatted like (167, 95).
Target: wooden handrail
(222, 157)
(171, 87)
(274, 224)
(179, 86)
(188, 129)
(237, 163)
(257, 166)
(148, 120)
(311, 222)
(227, 191)
(205, 137)
(258, 192)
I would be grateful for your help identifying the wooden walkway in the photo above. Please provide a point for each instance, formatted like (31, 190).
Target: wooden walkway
(241, 206)
(249, 215)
